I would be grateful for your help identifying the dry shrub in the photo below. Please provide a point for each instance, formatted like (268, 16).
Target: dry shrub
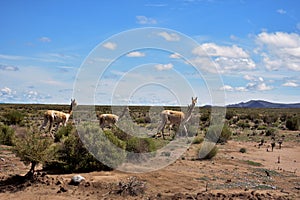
(132, 187)
(207, 151)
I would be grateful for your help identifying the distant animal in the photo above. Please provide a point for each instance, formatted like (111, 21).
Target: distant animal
(109, 120)
(175, 118)
(58, 117)
(267, 173)
(273, 145)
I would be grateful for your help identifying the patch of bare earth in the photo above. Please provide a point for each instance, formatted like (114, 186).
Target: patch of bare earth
(255, 174)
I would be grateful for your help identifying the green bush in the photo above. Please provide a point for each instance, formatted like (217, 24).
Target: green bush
(140, 145)
(243, 124)
(104, 145)
(207, 151)
(14, 117)
(64, 131)
(100, 150)
(270, 132)
(218, 134)
(293, 123)
(33, 149)
(7, 135)
(243, 150)
(198, 140)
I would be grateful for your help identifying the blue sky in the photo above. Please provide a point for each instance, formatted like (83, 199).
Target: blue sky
(254, 45)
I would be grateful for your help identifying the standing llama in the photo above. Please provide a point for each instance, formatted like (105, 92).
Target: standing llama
(109, 120)
(176, 118)
(58, 117)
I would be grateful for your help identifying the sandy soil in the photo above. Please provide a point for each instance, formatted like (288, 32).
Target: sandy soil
(256, 174)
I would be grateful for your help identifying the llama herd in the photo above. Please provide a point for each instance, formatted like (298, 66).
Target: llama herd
(174, 118)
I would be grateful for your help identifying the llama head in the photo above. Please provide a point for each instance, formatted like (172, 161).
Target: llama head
(73, 103)
(194, 100)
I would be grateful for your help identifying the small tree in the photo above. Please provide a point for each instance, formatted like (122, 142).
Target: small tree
(33, 149)
(293, 123)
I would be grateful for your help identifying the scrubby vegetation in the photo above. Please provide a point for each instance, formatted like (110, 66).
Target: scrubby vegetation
(208, 150)
(7, 135)
(33, 150)
(81, 148)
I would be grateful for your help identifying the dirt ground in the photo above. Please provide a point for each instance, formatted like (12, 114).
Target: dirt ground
(256, 174)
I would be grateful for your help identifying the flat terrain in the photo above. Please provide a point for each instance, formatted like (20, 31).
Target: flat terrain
(229, 174)
(259, 173)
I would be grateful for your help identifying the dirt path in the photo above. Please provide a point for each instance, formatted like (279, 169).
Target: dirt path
(255, 174)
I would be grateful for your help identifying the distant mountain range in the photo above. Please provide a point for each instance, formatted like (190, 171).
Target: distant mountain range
(263, 104)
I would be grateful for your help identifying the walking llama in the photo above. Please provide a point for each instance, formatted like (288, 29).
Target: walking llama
(109, 120)
(175, 118)
(58, 117)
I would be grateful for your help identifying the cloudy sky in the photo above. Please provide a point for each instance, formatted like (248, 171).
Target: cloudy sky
(252, 46)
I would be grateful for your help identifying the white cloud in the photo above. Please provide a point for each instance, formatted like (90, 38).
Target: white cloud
(44, 39)
(161, 67)
(227, 88)
(256, 83)
(135, 54)
(280, 50)
(110, 45)
(290, 84)
(145, 20)
(52, 82)
(260, 86)
(241, 89)
(281, 11)
(226, 64)
(213, 49)
(279, 39)
(226, 58)
(175, 55)
(263, 87)
(169, 36)
(249, 77)
(8, 67)
(11, 57)
(6, 91)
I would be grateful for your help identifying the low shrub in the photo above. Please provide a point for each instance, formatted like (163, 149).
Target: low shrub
(89, 149)
(14, 117)
(293, 123)
(140, 148)
(7, 135)
(33, 149)
(218, 133)
(207, 151)
(270, 132)
(64, 131)
(198, 140)
(243, 150)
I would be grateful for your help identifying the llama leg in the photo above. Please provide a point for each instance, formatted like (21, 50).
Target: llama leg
(44, 124)
(51, 123)
(161, 127)
(185, 130)
(58, 123)
(101, 123)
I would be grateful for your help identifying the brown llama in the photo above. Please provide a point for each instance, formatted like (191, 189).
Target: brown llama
(175, 118)
(109, 120)
(58, 117)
